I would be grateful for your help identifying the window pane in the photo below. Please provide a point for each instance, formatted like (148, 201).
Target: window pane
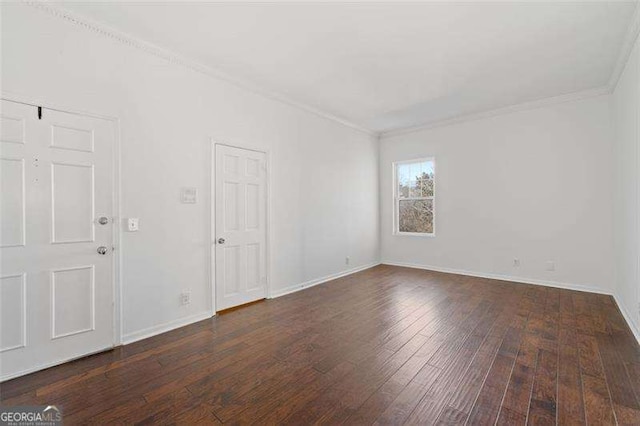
(403, 190)
(414, 189)
(415, 179)
(416, 216)
(404, 179)
(415, 170)
(425, 186)
(404, 173)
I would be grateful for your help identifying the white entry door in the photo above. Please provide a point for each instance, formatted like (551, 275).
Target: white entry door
(56, 231)
(240, 226)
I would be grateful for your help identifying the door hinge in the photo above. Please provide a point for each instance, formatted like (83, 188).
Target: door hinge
(39, 113)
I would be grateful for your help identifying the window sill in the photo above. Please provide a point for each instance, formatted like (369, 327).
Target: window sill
(414, 234)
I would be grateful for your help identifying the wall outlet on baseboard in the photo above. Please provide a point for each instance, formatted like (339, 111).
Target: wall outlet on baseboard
(185, 298)
(516, 262)
(551, 265)
(347, 260)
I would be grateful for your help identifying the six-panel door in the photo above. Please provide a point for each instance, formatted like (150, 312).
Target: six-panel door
(56, 290)
(240, 226)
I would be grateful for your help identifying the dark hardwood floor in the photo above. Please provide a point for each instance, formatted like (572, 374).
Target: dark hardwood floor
(388, 345)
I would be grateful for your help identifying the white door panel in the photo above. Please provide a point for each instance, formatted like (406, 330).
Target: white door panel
(240, 226)
(12, 188)
(56, 291)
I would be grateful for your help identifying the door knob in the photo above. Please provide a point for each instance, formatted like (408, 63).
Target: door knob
(102, 250)
(221, 240)
(103, 220)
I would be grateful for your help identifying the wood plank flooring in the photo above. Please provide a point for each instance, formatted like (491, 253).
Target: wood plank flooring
(388, 345)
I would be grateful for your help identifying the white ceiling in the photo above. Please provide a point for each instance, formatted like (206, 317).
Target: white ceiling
(390, 66)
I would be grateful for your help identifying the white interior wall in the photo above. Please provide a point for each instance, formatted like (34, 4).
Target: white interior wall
(533, 185)
(324, 179)
(626, 119)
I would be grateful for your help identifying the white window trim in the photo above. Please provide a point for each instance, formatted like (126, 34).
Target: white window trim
(396, 199)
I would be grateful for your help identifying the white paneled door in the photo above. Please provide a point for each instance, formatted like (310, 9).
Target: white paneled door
(240, 226)
(56, 237)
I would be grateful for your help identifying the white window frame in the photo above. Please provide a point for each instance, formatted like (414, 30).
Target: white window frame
(396, 198)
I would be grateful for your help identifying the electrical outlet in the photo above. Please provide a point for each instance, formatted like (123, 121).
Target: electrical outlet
(516, 262)
(347, 260)
(185, 298)
(551, 265)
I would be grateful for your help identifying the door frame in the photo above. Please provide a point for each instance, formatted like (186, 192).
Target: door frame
(116, 271)
(212, 211)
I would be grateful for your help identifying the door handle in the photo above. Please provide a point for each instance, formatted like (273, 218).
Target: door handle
(103, 220)
(102, 250)
(221, 240)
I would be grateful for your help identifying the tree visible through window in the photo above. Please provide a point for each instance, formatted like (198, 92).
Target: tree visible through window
(414, 197)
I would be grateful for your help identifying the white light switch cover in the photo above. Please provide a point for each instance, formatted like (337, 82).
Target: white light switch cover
(189, 195)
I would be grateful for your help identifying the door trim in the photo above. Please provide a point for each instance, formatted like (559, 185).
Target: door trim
(115, 202)
(212, 211)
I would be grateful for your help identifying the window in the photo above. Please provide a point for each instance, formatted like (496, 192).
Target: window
(414, 198)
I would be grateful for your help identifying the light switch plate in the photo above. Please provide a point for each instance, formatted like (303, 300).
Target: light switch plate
(132, 224)
(189, 195)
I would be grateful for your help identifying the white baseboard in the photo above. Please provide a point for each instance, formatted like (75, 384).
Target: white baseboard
(533, 281)
(181, 322)
(311, 283)
(523, 280)
(126, 339)
(152, 331)
(163, 328)
(627, 317)
(10, 376)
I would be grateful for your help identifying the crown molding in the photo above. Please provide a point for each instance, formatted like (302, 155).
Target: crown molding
(124, 38)
(539, 103)
(633, 31)
(625, 51)
(175, 58)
